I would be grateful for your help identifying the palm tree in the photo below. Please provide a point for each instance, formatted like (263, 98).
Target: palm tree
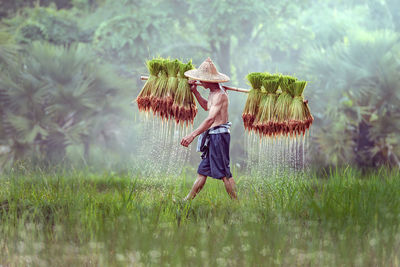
(55, 97)
(360, 89)
(8, 48)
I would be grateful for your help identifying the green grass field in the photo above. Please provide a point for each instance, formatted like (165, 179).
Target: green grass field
(344, 218)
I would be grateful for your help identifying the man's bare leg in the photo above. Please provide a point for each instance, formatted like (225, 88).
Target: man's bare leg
(197, 186)
(232, 181)
(230, 187)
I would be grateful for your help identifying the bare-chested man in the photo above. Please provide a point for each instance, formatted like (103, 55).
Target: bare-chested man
(214, 130)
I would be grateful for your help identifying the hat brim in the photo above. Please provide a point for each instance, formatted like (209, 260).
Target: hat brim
(206, 77)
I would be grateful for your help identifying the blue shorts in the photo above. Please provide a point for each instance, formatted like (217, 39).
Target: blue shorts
(216, 163)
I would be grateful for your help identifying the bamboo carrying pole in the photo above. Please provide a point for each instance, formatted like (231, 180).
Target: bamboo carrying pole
(143, 78)
(226, 87)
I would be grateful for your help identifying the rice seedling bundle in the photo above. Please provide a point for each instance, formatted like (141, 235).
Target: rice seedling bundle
(253, 100)
(160, 88)
(268, 76)
(143, 99)
(184, 107)
(282, 105)
(265, 120)
(173, 68)
(257, 123)
(299, 112)
(268, 110)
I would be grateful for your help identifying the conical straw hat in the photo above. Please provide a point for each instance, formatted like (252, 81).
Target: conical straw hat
(207, 72)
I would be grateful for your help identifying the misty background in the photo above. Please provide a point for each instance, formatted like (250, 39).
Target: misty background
(69, 70)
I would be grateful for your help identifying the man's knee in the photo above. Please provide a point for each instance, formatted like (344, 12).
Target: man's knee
(225, 180)
(201, 176)
(201, 179)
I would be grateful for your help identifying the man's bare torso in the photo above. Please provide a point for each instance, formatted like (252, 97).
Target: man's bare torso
(222, 116)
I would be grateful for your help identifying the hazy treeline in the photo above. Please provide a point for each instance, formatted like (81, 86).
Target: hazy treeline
(70, 69)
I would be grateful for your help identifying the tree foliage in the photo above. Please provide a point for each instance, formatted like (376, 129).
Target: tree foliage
(53, 98)
(347, 50)
(8, 49)
(362, 122)
(127, 38)
(44, 24)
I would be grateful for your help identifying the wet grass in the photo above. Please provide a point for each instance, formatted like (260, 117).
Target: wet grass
(344, 218)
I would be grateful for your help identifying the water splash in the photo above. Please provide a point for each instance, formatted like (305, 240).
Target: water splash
(160, 151)
(276, 156)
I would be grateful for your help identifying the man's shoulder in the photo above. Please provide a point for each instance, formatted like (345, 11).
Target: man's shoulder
(222, 96)
(219, 97)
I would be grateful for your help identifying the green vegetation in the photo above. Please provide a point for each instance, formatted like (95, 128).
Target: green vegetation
(347, 51)
(167, 95)
(275, 106)
(45, 24)
(264, 121)
(77, 217)
(122, 39)
(156, 99)
(361, 121)
(184, 106)
(69, 70)
(283, 103)
(253, 99)
(148, 90)
(54, 98)
(300, 115)
(173, 68)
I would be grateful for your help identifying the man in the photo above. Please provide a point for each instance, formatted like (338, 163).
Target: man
(215, 136)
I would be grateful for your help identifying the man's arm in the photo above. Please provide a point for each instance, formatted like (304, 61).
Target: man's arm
(202, 101)
(206, 124)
